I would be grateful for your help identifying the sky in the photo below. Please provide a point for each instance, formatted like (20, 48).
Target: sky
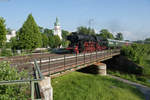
(131, 17)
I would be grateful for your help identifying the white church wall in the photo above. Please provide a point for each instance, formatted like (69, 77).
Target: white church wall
(9, 36)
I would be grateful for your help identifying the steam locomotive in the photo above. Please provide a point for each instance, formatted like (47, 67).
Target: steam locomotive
(90, 43)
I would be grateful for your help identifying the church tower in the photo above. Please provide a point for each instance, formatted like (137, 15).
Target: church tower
(57, 29)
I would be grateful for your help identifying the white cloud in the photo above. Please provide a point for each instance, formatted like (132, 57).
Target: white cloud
(128, 35)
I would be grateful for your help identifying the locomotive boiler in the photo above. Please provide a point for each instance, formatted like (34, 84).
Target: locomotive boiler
(90, 43)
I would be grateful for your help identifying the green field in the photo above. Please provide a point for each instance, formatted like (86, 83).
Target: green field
(81, 86)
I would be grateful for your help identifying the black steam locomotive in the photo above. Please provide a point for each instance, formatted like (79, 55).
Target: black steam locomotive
(90, 43)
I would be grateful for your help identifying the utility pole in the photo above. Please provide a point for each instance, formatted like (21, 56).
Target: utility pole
(90, 22)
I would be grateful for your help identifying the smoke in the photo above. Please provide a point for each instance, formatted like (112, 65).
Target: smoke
(130, 32)
(115, 25)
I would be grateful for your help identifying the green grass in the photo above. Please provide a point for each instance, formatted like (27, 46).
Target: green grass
(80, 86)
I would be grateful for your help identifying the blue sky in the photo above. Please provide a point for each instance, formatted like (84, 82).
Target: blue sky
(131, 17)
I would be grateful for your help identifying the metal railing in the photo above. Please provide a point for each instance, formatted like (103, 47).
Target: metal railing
(53, 65)
(33, 82)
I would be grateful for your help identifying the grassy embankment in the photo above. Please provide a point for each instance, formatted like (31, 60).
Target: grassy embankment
(139, 54)
(81, 86)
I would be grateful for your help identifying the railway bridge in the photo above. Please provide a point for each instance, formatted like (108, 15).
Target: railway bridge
(53, 65)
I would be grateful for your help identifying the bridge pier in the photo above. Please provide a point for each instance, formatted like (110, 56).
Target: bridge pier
(46, 89)
(101, 67)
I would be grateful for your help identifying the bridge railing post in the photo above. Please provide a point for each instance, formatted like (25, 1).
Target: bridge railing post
(90, 56)
(76, 58)
(84, 57)
(32, 90)
(40, 63)
(111, 52)
(64, 61)
(104, 54)
(49, 64)
(96, 54)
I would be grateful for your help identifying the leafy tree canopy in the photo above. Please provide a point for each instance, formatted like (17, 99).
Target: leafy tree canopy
(119, 36)
(85, 30)
(48, 32)
(41, 29)
(64, 41)
(54, 41)
(57, 41)
(136, 52)
(65, 34)
(13, 91)
(3, 32)
(13, 43)
(29, 35)
(45, 40)
(147, 39)
(51, 42)
(106, 34)
(9, 30)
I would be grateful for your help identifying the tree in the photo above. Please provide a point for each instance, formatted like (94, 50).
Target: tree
(106, 34)
(65, 42)
(45, 40)
(51, 42)
(9, 30)
(147, 39)
(3, 32)
(29, 36)
(85, 30)
(65, 34)
(14, 44)
(119, 36)
(48, 32)
(57, 41)
(12, 91)
(41, 29)
(54, 41)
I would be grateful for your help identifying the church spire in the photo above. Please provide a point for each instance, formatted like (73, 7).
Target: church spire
(57, 29)
(57, 22)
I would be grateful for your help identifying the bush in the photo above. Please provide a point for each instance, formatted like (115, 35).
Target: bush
(15, 91)
(143, 79)
(8, 45)
(6, 52)
(136, 52)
